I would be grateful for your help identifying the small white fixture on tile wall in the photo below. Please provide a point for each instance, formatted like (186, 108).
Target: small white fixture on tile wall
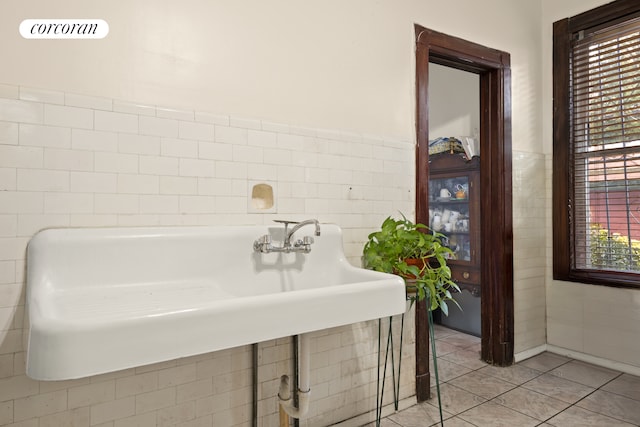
(262, 197)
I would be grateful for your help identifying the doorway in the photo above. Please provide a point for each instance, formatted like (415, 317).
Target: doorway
(496, 246)
(454, 190)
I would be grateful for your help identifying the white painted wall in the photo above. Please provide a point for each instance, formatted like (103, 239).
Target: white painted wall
(596, 321)
(323, 64)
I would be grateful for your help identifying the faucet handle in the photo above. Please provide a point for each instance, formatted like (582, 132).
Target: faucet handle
(265, 240)
(263, 244)
(305, 242)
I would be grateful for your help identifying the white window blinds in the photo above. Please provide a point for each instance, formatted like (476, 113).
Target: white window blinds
(605, 126)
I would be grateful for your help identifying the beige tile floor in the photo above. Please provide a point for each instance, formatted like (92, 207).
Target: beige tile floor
(546, 390)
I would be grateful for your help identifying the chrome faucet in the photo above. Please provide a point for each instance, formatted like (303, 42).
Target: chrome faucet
(263, 244)
(298, 226)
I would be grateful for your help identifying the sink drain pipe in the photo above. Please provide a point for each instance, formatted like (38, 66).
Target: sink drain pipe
(254, 380)
(304, 369)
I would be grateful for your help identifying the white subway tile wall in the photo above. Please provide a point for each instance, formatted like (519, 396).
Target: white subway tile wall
(529, 250)
(83, 161)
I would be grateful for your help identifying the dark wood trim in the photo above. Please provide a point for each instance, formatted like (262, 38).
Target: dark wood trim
(607, 12)
(423, 376)
(560, 162)
(563, 196)
(496, 263)
(493, 66)
(459, 53)
(422, 129)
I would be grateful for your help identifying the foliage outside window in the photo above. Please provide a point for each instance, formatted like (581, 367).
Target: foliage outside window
(597, 146)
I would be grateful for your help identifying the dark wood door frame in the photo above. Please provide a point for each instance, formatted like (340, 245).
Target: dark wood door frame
(493, 67)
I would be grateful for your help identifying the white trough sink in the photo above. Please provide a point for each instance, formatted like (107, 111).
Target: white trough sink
(105, 299)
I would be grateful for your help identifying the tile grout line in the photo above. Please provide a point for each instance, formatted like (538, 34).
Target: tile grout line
(595, 390)
(572, 404)
(515, 386)
(549, 372)
(613, 392)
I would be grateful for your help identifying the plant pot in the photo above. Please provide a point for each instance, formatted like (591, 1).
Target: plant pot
(410, 279)
(418, 262)
(410, 287)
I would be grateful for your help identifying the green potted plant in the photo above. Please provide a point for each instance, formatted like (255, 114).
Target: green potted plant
(415, 253)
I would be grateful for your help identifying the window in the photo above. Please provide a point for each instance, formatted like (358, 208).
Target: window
(596, 183)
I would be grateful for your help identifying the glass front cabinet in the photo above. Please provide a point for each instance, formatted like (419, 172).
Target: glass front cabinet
(454, 211)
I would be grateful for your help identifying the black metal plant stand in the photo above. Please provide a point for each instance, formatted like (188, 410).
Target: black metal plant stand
(396, 377)
(432, 336)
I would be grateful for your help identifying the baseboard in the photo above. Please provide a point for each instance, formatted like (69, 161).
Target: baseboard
(594, 360)
(519, 357)
(605, 363)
